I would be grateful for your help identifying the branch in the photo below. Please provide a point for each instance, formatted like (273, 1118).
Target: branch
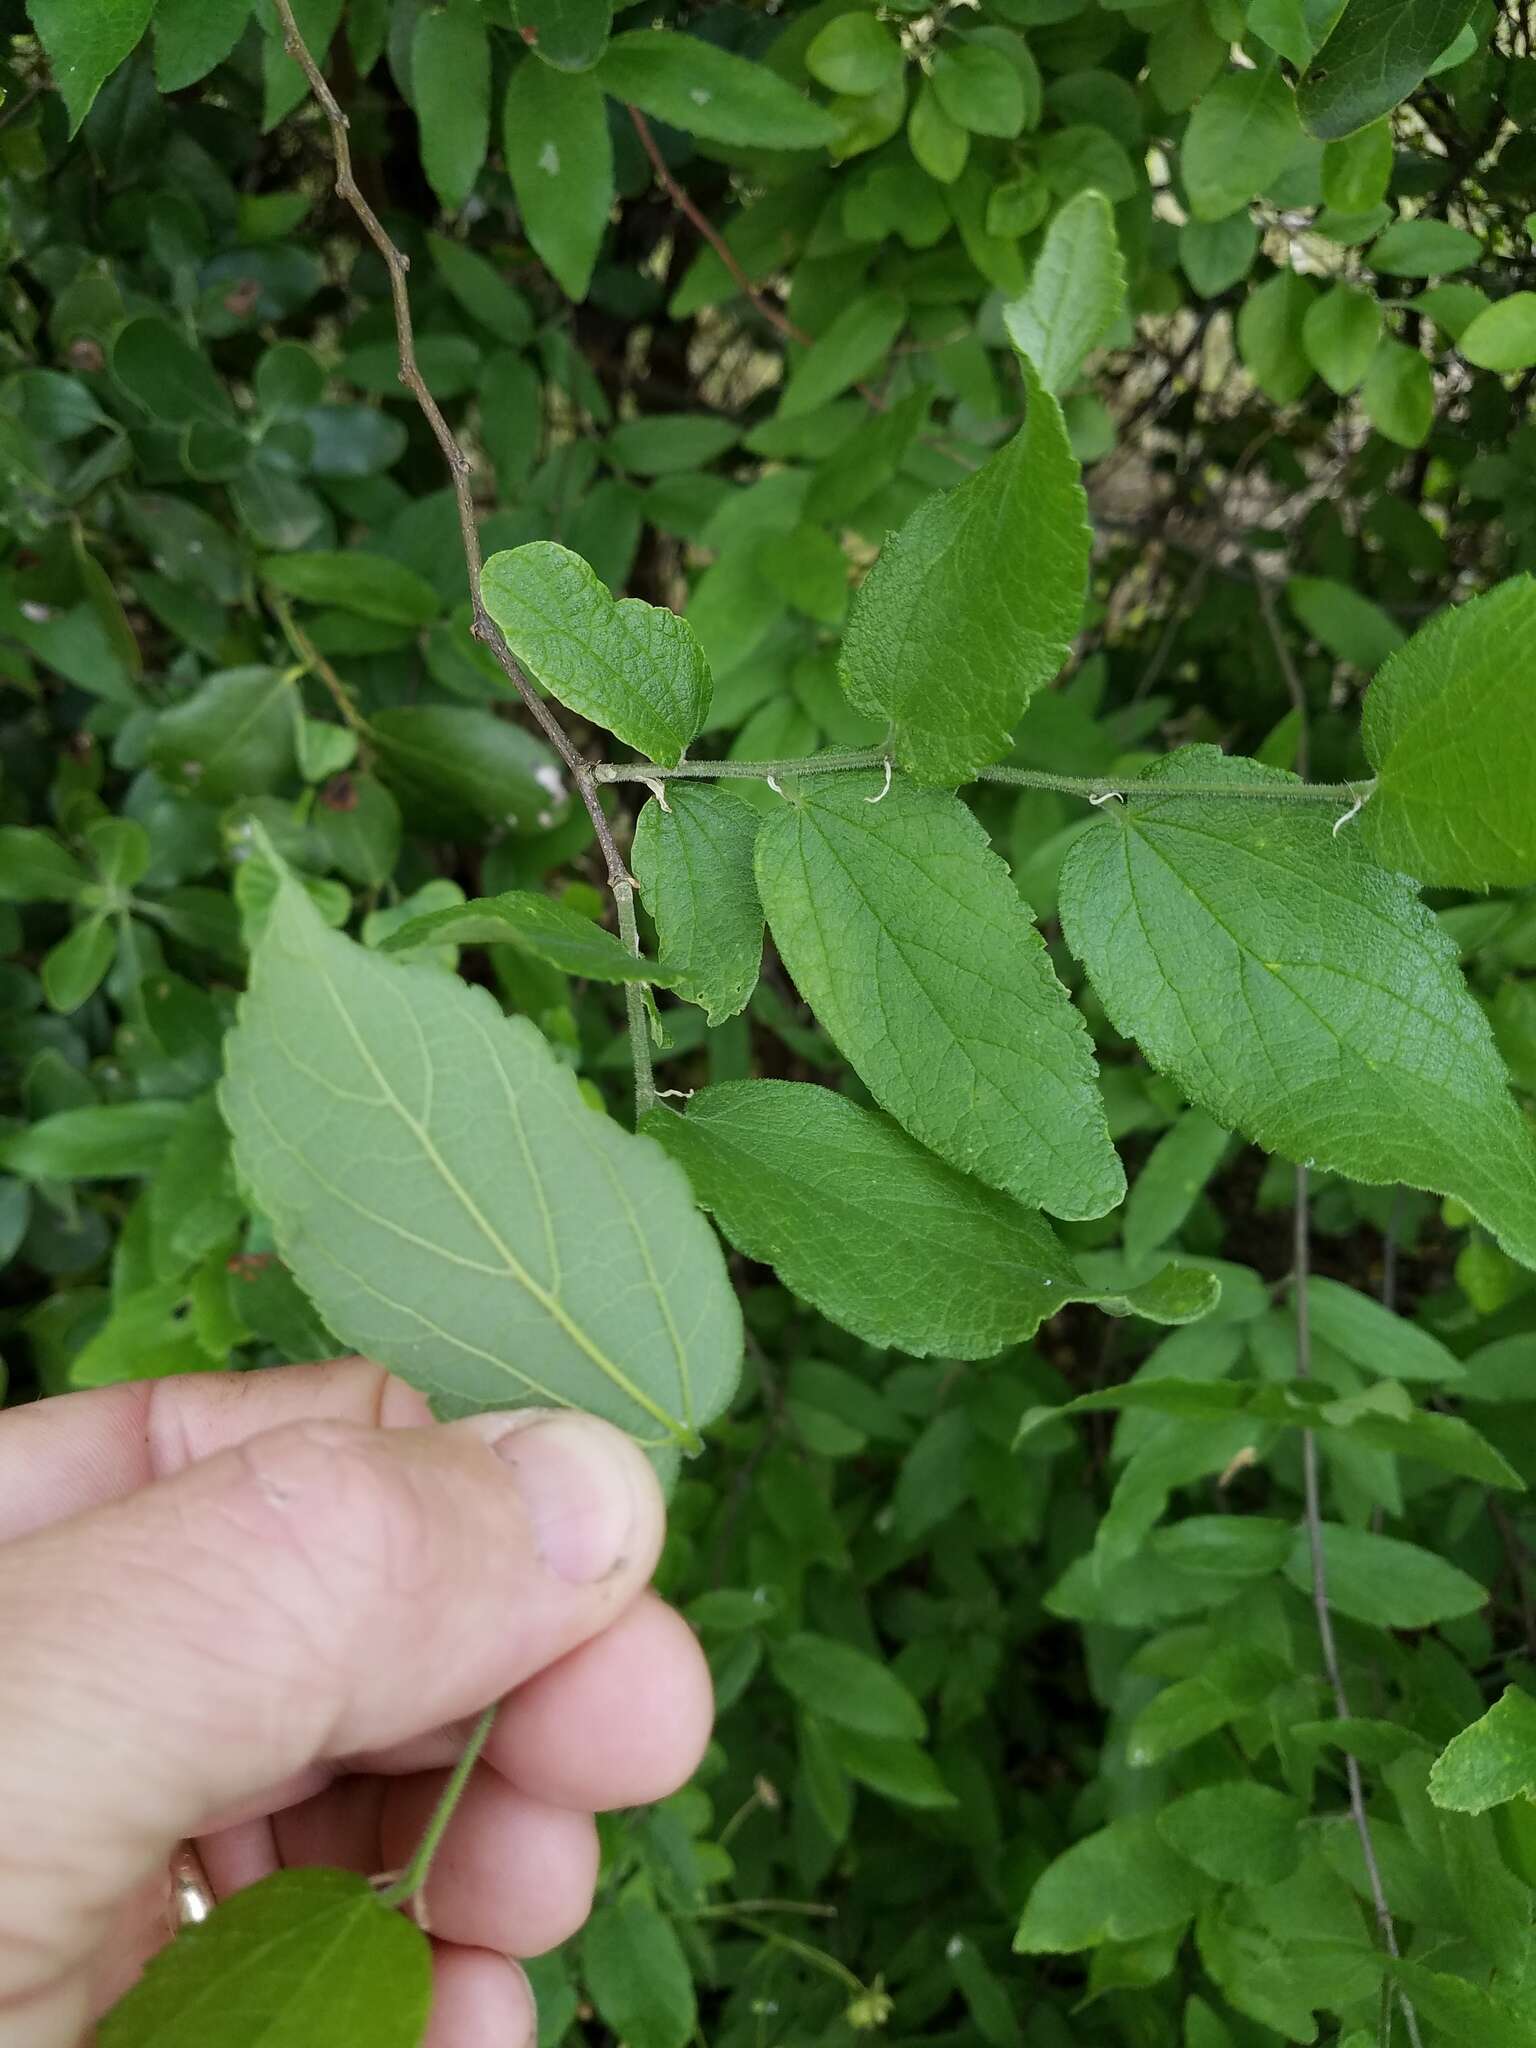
(1293, 683)
(1313, 1510)
(620, 881)
(727, 255)
(1096, 789)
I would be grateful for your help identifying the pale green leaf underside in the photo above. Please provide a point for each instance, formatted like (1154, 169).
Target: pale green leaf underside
(1450, 728)
(693, 862)
(973, 603)
(873, 1230)
(1075, 290)
(451, 1204)
(535, 924)
(1299, 993)
(303, 1957)
(1492, 1761)
(633, 667)
(908, 938)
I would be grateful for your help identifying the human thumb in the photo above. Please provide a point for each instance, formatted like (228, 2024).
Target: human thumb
(322, 1590)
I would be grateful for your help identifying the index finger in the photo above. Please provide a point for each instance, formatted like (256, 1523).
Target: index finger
(77, 1451)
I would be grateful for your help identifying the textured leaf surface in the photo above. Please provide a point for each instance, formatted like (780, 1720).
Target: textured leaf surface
(1120, 1884)
(636, 668)
(909, 939)
(85, 41)
(560, 160)
(1492, 1761)
(302, 1957)
(638, 1975)
(707, 91)
(693, 862)
(1376, 54)
(863, 1223)
(1298, 993)
(534, 924)
(451, 1204)
(973, 603)
(1450, 728)
(1075, 290)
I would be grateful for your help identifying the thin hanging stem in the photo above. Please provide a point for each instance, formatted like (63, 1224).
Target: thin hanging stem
(484, 626)
(1313, 1515)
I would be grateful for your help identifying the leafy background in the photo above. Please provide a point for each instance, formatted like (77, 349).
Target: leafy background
(1022, 1738)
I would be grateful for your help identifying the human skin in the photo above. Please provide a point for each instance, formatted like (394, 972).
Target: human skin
(259, 1611)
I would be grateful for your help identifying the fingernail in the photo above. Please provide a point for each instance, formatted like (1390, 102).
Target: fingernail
(576, 1482)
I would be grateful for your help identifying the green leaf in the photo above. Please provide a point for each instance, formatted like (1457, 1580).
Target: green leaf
(848, 1687)
(1423, 248)
(1216, 254)
(1231, 1682)
(854, 53)
(633, 667)
(300, 1957)
(1340, 333)
(1120, 1884)
(1376, 54)
(481, 290)
(1346, 623)
(570, 34)
(85, 43)
(356, 827)
(1491, 1762)
(898, 1771)
(73, 970)
(457, 770)
(560, 160)
(671, 442)
(191, 36)
(374, 586)
(1399, 394)
(232, 737)
(1450, 728)
(1170, 1183)
(1504, 337)
(451, 91)
(973, 603)
(704, 90)
(939, 145)
(1357, 169)
(533, 924)
(1240, 137)
(907, 936)
(855, 343)
(1372, 1337)
(283, 81)
(116, 1141)
(34, 868)
(1384, 1582)
(174, 382)
(466, 1266)
(638, 1976)
(693, 861)
(1463, 2014)
(1075, 291)
(864, 1224)
(979, 89)
(1332, 1023)
(1271, 336)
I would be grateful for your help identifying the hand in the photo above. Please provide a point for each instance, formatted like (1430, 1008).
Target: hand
(258, 1610)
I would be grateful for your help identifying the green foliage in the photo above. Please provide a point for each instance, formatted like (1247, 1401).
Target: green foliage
(305, 1956)
(996, 726)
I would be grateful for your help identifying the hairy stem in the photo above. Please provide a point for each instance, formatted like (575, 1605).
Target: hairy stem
(1095, 788)
(412, 1880)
